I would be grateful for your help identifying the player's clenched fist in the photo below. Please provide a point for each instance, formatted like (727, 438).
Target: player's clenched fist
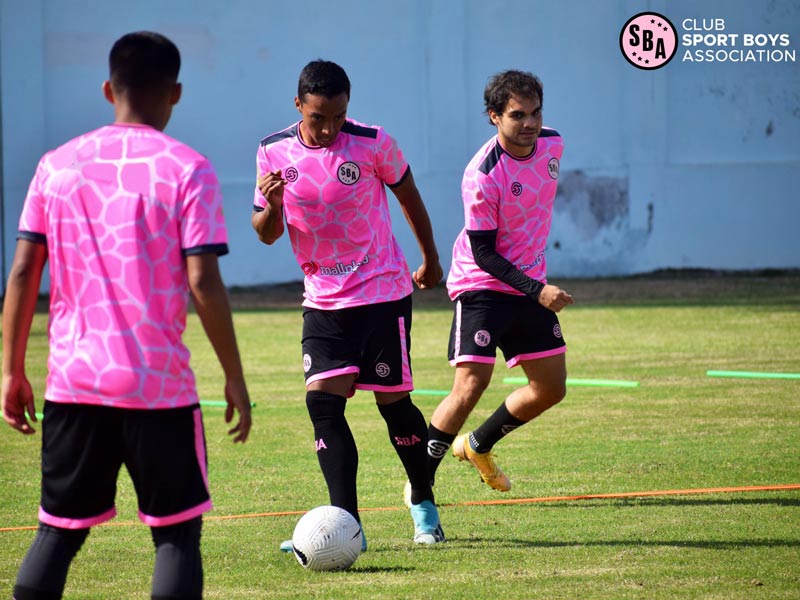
(271, 186)
(554, 298)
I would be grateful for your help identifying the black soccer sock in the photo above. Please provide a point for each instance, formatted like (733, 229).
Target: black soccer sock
(43, 572)
(439, 443)
(493, 429)
(408, 434)
(336, 449)
(178, 571)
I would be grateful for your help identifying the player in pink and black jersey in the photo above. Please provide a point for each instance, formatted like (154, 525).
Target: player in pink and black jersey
(498, 279)
(324, 180)
(131, 223)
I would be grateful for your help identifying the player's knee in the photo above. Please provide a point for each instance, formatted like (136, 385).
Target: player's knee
(557, 393)
(466, 393)
(71, 539)
(547, 395)
(185, 535)
(324, 406)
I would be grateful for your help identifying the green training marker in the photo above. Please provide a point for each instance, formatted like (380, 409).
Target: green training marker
(753, 375)
(218, 403)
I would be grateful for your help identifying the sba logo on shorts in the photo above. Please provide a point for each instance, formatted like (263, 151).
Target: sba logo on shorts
(482, 338)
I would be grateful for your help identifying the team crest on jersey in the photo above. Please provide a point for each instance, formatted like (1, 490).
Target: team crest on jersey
(306, 363)
(552, 168)
(291, 174)
(482, 338)
(557, 330)
(382, 369)
(348, 173)
(516, 188)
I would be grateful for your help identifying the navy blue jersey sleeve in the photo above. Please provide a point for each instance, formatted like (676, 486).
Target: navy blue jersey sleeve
(484, 250)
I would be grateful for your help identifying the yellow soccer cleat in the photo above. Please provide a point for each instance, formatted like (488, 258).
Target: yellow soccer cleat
(491, 474)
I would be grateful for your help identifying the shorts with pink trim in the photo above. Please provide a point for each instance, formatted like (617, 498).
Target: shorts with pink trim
(534, 356)
(161, 521)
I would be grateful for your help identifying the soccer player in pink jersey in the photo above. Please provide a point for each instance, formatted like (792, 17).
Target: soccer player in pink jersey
(131, 223)
(324, 179)
(498, 282)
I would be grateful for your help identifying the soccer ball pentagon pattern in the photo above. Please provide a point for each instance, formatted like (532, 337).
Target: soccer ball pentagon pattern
(327, 538)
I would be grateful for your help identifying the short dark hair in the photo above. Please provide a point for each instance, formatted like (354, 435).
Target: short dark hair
(323, 78)
(143, 63)
(502, 85)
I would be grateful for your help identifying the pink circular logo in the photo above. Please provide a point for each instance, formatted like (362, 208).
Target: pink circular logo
(482, 338)
(309, 268)
(648, 40)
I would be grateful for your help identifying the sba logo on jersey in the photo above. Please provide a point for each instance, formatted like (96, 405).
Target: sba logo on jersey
(348, 173)
(552, 168)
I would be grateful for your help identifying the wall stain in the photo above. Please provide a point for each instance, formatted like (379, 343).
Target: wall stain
(592, 202)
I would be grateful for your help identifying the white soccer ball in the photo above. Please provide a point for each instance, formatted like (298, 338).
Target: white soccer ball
(327, 538)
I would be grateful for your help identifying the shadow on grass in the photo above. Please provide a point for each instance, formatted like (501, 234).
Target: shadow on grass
(482, 542)
(367, 570)
(637, 502)
(709, 501)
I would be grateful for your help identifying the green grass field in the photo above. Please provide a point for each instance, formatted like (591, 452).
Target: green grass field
(678, 430)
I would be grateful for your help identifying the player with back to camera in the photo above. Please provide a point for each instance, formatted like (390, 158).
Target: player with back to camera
(497, 279)
(131, 223)
(325, 176)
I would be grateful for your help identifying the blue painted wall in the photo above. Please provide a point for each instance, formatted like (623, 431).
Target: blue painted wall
(691, 165)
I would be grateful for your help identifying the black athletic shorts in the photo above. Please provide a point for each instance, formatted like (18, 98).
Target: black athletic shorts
(372, 341)
(84, 446)
(486, 320)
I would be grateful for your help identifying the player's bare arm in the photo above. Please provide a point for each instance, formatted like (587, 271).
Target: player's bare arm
(269, 222)
(430, 273)
(213, 308)
(554, 298)
(18, 308)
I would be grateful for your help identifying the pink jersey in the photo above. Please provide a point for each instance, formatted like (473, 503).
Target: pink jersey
(119, 209)
(515, 197)
(337, 213)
